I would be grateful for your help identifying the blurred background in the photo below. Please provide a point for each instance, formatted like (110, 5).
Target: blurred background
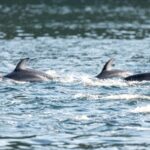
(119, 19)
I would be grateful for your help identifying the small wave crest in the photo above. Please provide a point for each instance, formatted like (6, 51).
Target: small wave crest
(142, 109)
(87, 96)
(111, 97)
(81, 118)
(128, 97)
(137, 128)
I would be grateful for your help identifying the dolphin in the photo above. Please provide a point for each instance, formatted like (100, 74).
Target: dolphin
(21, 73)
(108, 72)
(139, 77)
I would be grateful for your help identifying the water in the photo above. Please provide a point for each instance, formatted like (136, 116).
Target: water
(71, 42)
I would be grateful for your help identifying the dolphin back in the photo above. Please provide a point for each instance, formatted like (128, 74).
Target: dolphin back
(21, 73)
(139, 77)
(108, 72)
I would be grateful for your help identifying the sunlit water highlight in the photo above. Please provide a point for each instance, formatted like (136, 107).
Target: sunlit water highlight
(75, 110)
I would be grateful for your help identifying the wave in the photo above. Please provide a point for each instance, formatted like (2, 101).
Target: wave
(81, 118)
(137, 128)
(111, 97)
(128, 97)
(143, 109)
(87, 96)
(88, 80)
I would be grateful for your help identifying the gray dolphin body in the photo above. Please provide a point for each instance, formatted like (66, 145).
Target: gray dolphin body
(108, 72)
(21, 73)
(139, 77)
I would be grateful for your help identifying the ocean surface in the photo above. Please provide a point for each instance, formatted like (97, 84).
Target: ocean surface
(71, 41)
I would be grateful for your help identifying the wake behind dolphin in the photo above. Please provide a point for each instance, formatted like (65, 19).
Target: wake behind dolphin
(21, 73)
(108, 72)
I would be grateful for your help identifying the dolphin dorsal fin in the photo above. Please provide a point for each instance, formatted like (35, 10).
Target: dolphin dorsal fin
(22, 64)
(108, 65)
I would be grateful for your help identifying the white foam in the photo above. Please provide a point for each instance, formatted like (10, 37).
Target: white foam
(11, 81)
(69, 78)
(127, 97)
(52, 73)
(143, 109)
(92, 81)
(111, 97)
(81, 117)
(87, 80)
(89, 96)
(137, 128)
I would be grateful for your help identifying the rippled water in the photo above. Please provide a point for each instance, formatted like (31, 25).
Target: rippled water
(71, 42)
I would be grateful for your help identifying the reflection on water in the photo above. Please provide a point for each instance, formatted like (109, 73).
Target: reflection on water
(105, 19)
(71, 41)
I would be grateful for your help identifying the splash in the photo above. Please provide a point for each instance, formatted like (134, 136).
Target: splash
(69, 78)
(88, 80)
(107, 83)
(91, 81)
(143, 109)
(52, 73)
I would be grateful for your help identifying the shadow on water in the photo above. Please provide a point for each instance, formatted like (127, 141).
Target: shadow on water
(17, 143)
